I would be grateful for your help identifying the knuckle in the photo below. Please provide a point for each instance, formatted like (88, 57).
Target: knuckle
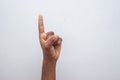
(51, 32)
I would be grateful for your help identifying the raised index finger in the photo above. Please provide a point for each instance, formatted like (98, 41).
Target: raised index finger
(40, 24)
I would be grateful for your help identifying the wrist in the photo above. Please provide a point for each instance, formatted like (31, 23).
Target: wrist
(48, 70)
(49, 61)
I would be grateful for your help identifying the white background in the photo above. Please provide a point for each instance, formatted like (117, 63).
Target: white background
(91, 38)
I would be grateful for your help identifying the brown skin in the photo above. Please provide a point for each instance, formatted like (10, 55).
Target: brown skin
(51, 47)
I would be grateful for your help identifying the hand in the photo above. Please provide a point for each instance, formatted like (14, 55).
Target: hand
(50, 43)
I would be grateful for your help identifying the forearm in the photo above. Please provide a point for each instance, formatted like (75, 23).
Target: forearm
(48, 70)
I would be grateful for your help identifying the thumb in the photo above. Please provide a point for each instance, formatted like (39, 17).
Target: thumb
(51, 40)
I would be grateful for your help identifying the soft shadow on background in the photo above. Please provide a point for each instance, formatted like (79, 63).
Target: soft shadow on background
(91, 38)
